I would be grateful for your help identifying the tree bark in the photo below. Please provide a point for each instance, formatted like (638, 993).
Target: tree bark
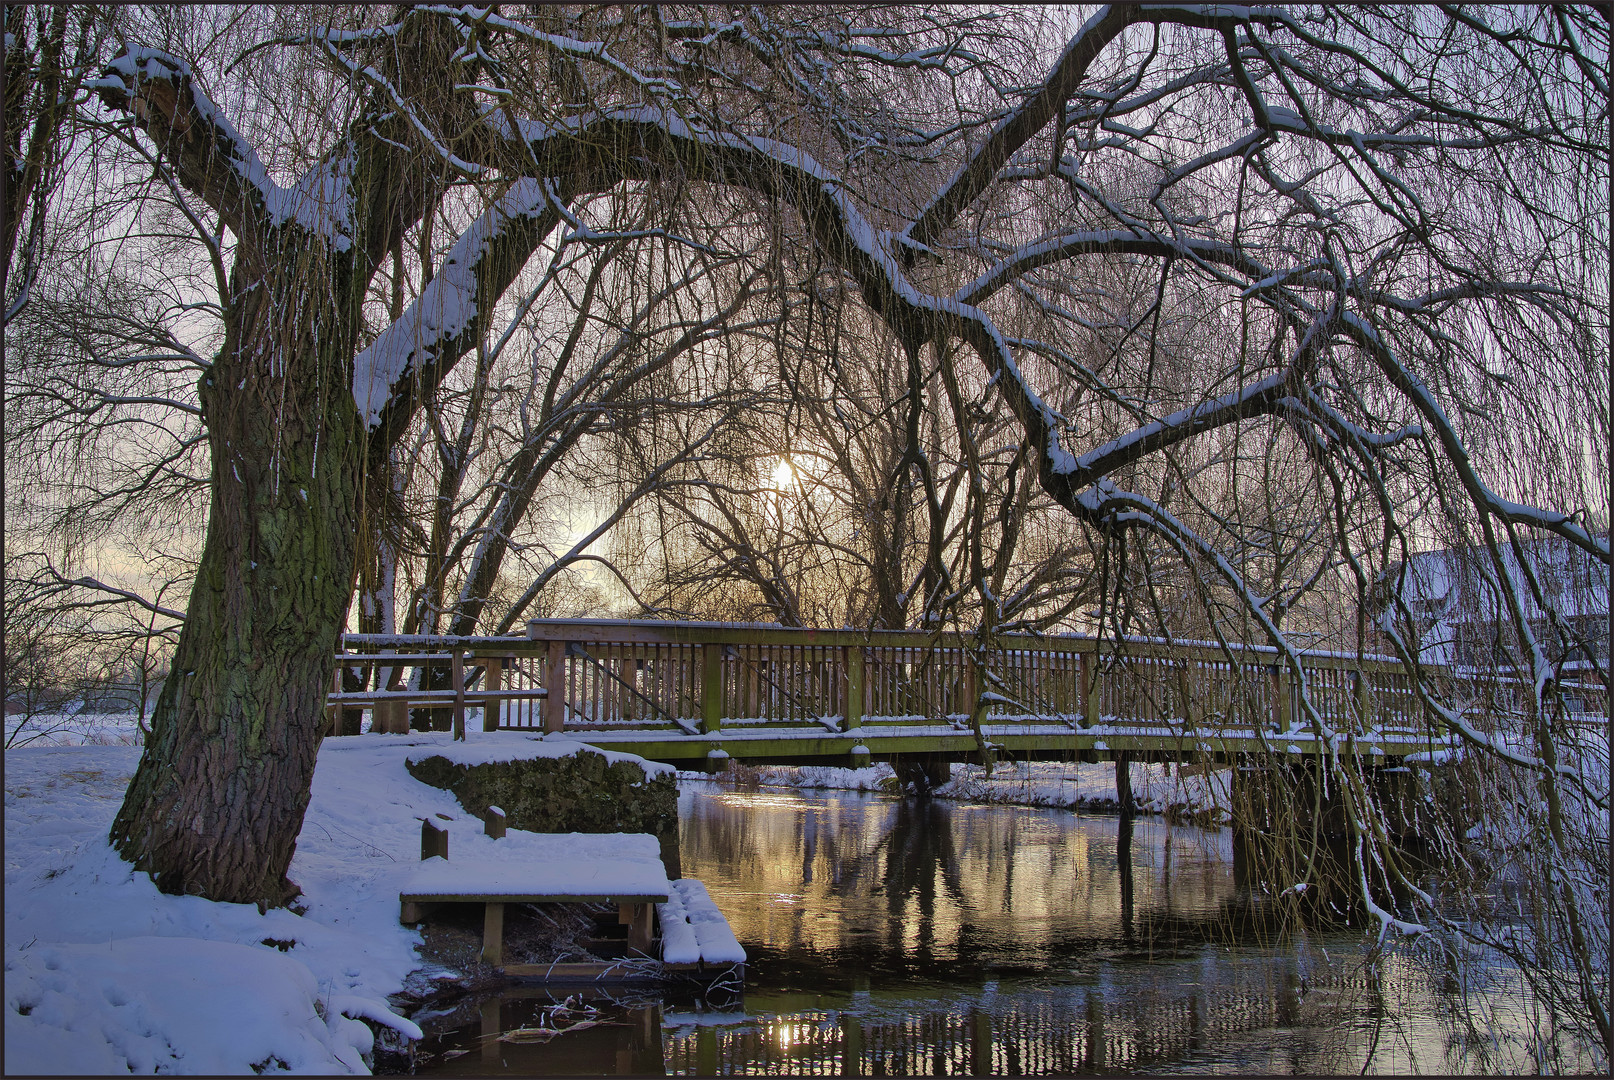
(218, 799)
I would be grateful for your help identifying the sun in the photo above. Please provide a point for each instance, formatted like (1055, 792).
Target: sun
(784, 475)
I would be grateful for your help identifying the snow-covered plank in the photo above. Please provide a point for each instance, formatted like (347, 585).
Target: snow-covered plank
(678, 944)
(716, 940)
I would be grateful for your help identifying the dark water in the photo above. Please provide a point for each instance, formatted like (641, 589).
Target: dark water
(892, 936)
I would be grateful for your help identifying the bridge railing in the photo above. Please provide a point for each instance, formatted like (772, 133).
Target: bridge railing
(696, 677)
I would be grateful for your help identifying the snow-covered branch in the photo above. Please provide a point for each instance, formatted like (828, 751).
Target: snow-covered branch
(438, 327)
(216, 161)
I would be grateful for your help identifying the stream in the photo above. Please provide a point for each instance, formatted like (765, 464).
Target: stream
(910, 936)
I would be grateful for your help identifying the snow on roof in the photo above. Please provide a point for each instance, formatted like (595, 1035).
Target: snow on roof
(1461, 579)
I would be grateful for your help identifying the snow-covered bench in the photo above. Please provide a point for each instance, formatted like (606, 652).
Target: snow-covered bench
(546, 868)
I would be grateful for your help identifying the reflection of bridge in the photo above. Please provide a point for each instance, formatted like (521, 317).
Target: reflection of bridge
(690, 692)
(1060, 1031)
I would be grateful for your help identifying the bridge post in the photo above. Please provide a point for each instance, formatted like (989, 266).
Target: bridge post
(555, 687)
(711, 688)
(457, 681)
(1123, 782)
(852, 708)
(1280, 697)
(492, 679)
(1280, 808)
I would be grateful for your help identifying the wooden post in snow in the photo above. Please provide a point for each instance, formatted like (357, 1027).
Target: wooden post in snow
(433, 839)
(493, 822)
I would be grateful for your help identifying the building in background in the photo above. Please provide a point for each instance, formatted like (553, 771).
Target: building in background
(1458, 614)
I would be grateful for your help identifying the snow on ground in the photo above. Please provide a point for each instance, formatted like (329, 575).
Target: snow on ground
(74, 729)
(1156, 789)
(106, 974)
(877, 777)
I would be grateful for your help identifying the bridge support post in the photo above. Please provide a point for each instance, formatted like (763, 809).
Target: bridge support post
(1279, 679)
(1281, 807)
(492, 678)
(1123, 782)
(925, 772)
(457, 681)
(1277, 808)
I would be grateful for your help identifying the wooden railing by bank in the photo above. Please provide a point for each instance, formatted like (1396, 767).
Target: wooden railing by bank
(686, 690)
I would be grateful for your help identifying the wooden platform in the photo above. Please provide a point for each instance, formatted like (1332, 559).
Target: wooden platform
(546, 868)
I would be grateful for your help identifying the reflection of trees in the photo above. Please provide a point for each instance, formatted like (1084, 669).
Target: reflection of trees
(899, 882)
(919, 850)
(714, 832)
(1123, 861)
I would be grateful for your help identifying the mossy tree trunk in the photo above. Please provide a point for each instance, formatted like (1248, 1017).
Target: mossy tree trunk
(218, 799)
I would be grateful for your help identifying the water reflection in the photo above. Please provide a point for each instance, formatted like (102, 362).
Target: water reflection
(897, 936)
(900, 886)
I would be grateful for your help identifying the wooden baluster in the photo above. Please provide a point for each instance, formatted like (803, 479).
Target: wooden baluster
(622, 700)
(664, 669)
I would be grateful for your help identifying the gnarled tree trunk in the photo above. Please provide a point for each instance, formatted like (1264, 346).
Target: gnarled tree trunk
(218, 800)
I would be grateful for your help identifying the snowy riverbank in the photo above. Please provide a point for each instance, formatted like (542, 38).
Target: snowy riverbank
(106, 974)
(1156, 789)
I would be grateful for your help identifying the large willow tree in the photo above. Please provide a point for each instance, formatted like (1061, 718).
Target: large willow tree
(1379, 235)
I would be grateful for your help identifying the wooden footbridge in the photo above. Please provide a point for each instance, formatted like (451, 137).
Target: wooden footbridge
(694, 694)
